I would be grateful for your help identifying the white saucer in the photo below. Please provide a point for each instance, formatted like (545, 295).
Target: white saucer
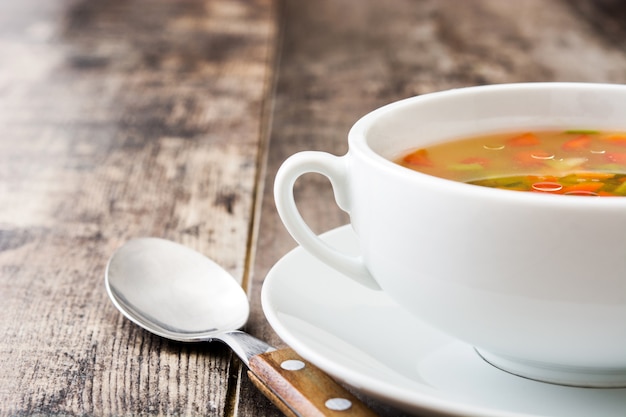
(363, 338)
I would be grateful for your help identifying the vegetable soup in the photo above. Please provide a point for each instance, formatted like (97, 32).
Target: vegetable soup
(575, 162)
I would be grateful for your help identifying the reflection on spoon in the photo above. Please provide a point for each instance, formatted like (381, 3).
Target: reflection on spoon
(177, 293)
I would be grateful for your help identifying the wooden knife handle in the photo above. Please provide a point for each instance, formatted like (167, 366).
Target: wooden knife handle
(299, 389)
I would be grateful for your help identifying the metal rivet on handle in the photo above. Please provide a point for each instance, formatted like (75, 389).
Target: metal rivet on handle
(338, 404)
(292, 365)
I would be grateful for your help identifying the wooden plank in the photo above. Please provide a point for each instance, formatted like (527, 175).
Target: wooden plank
(121, 119)
(128, 118)
(344, 58)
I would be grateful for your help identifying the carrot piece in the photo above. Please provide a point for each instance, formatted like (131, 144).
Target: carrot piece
(476, 160)
(419, 158)
(526, 159)
(619, 139)
(616, 157)
(526, 139)
(577, 143)
(583, 186)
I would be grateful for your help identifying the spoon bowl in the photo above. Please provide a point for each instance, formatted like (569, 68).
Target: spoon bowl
(174, 292)
(177, 293)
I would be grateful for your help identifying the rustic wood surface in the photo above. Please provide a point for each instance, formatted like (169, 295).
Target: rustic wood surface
(124, 118)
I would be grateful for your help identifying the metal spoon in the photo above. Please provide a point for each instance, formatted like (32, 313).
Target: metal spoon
(177, 293)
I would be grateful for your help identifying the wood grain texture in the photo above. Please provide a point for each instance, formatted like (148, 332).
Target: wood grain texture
(344, 58)
(121, 119)
(125, 118)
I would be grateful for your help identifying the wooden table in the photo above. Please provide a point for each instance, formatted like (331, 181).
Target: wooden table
(126, 118)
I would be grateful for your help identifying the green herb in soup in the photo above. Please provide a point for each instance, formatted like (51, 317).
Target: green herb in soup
(572, 162)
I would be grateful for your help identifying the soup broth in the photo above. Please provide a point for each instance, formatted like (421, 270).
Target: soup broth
(575, 162)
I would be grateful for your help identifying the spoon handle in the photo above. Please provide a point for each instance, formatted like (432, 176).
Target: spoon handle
(298, 388)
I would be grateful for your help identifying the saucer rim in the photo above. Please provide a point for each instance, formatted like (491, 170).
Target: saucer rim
(395, 395)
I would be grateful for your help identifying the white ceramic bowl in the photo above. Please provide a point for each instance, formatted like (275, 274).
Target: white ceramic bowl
(537, 283)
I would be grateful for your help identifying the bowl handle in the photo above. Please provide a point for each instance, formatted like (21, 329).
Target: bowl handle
(335, 169)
